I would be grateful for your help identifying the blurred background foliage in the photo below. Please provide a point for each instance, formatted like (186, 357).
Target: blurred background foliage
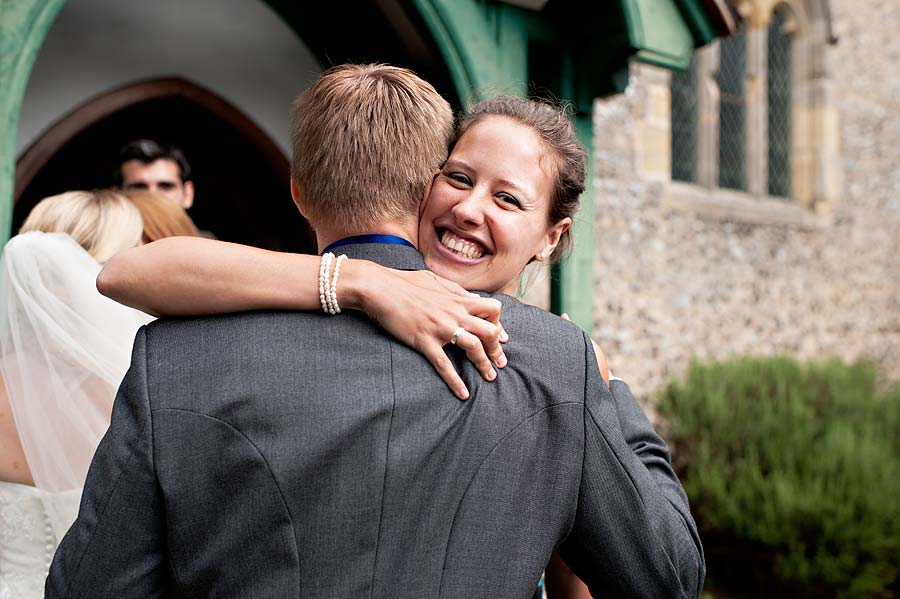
(793, 472)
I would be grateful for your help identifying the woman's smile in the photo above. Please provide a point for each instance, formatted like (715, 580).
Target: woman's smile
(461, 246)
(486, 215)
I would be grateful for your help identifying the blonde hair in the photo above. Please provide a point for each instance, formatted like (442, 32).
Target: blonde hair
(366, 140)
(103, 222)
(162, 217)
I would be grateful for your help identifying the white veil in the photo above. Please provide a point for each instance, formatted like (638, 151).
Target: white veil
(64, 349)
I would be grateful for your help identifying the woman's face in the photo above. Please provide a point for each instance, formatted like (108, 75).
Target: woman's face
(486, 214)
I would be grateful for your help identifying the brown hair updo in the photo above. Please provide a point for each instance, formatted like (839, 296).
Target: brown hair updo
(162, 217)
(557, 133)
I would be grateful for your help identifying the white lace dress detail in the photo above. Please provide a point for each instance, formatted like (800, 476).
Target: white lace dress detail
(32, 522)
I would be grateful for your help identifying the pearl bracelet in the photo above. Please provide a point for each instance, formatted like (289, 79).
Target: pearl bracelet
(328, 292)
(334, 280)
(324, 267)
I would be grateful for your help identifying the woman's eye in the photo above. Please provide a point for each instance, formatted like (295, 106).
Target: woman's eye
(460, 178)
(505, 197)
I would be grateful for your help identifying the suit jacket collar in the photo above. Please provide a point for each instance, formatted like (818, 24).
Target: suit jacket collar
(398, 257)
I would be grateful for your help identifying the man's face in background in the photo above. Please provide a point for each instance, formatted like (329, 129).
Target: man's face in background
(159, 177)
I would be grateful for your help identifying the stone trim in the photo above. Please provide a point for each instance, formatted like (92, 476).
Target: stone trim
(815, 137)
(730, 205)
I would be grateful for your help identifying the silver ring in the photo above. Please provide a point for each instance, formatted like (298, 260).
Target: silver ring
(455, 337)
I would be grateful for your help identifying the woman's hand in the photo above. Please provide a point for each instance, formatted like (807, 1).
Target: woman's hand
(423, 311)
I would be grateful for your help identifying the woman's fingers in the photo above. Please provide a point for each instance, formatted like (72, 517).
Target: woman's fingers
(432, 309)
(435, 354)
(454, 288)
(486, 308)
(489, 309)
(489, 336)
(476, 354)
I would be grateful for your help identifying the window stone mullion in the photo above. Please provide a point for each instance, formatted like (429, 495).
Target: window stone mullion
(708, 116)
(757, 111)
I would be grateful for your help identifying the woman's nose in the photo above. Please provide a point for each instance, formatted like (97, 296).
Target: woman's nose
(470, 210)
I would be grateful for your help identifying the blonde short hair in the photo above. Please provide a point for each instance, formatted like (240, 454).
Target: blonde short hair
(103, 222)
(366, 140)
(162, 217)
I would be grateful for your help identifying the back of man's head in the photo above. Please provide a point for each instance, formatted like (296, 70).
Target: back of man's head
(366, 140)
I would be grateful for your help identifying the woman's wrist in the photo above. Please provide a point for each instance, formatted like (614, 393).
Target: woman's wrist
(354, 288)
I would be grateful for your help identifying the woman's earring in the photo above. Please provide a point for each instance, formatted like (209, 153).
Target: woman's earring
(542, 255)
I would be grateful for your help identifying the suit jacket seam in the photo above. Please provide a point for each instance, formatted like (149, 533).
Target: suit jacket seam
(478, 469)
(268, 467)
(148, 360)
(637, 491)
(587, 355)
(118, 477)
(387, 449)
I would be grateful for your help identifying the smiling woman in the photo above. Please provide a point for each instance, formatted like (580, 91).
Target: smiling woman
(506, 195)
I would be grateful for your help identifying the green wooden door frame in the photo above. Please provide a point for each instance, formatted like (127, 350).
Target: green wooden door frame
(484, 45)
(23, 26)
(486, 48)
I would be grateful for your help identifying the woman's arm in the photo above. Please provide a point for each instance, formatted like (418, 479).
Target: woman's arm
(561, 582)
(181, 276)
(13, 465)
(602, 363)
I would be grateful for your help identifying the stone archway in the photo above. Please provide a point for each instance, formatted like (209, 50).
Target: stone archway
(242, 177)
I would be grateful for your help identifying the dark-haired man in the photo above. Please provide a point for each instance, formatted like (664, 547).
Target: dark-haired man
(159, 168)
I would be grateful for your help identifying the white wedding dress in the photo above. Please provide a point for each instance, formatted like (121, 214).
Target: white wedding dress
(32, 523)
(64, 349)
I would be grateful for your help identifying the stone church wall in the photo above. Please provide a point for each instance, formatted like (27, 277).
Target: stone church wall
(672, 283)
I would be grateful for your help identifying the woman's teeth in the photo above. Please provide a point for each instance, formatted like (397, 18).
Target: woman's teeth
(460, 246)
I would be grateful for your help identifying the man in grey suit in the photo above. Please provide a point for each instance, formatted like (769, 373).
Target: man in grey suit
(276, 454)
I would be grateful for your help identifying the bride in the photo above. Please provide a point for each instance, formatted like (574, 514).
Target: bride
(64, 349)
(504, 198)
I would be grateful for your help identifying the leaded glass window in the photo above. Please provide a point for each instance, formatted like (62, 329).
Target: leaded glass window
(731, 79)
(779, 98)
(684, 124)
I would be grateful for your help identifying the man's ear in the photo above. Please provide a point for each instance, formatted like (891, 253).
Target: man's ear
(188, 195)
(428, 192)
(295, 193)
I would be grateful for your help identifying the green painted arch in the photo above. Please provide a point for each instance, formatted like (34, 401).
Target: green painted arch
(23, 27)
(483, 45)
(461, 70)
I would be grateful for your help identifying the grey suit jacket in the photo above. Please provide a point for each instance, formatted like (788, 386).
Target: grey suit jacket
(301, 455)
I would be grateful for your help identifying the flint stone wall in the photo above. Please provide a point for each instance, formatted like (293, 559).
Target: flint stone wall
(671, 284)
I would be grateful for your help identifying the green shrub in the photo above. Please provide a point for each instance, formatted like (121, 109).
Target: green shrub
(793, 471)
